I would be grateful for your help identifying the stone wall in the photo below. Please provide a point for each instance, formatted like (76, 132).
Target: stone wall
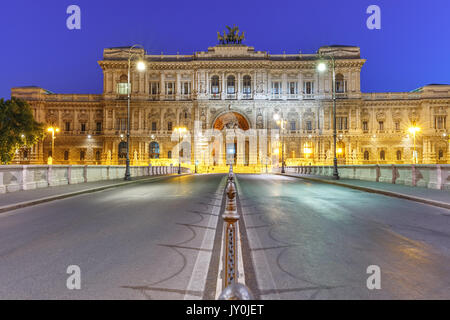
(428, 176)
(26, 177)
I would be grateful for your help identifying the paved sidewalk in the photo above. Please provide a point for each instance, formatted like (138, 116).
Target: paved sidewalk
(19, 199)
(440, 198)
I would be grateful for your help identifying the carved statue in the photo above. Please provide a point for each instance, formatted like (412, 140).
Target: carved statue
(231, 37)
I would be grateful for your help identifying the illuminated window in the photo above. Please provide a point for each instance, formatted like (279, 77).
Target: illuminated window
(231, 85)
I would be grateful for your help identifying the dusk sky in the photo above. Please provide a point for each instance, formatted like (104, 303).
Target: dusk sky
(411, 49)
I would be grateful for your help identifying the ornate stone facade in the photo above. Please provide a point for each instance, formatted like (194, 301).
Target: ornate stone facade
(234, 86)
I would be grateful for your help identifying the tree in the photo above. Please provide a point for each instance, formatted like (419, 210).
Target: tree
(17, 128)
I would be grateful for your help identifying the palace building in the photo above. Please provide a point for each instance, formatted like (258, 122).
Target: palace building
(231, 86)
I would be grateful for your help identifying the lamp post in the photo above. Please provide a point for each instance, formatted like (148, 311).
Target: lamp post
(281, 123)
(321, 67)
(140, 66)
(413, 131)
(53, 131)
(180, 130)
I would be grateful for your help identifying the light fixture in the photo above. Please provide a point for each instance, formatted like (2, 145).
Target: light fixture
(321, 67)
(141, 66)
(89, 136)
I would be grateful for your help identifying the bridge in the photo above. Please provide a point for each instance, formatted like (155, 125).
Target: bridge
(165, 236)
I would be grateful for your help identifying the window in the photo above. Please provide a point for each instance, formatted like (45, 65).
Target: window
(308, 87)
(82, 155)
(66, 155)
(365, 126)
(122, 88)
(215, 84)
(366, 155)
(276, 87)
(309, 125)
(154, 88)
(66, 126)
(83, 127)
(341, 123)
(186, 88)
(441, 154)
(122, 150)
(154, 150)
(98, 126)
(382, 155)
(380, 125)
(170, 88)
(25, 155)
(122, 124)
(293, 125)
(169, 154)
(293, 88)
(97, 155)
(399, 155)
(247, 85)
(169, 126)
(231, 85)
(341, 84)
(397, 125)
(439, 122)
(153, 126)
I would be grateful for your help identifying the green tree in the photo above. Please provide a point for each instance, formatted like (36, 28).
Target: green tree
(17, 128)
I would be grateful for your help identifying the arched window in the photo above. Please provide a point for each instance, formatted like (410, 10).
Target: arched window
(366, 155)
(25, 155)
(441, 154)
(382, 155)
(399, 155)
(154, 150)
(122, 85)
(169, 154)
(82, 155)
(231, 85)
(97, 155)
(215, 84)
(122, 150)
(247, 85)
(66, 155)
(341, 84)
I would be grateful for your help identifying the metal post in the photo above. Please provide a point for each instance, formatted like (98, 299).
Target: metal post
(179, 152)
(127, 167)
(335, 168)
(282, 146)
(230, 240)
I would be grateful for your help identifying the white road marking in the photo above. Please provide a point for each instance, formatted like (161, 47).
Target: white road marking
(197, 281)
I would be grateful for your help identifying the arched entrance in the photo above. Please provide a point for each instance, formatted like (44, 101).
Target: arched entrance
(229, 121)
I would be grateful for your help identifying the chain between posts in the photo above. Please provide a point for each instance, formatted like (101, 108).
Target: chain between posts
(232, 289)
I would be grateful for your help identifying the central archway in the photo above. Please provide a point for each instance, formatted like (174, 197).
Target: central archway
(231, 120)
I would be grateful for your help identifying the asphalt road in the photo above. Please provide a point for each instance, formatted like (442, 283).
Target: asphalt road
(315, 241)
(149, 240)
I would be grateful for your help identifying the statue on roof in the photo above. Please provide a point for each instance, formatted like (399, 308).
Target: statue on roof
(231, 37)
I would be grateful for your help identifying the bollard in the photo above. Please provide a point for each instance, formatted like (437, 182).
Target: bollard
(230, 217)
(236, 291)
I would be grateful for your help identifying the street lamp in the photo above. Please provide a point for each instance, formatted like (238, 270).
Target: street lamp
(180, 131)
(413, 130)
(140, 66)
(281, 122)
(53, 130)
(322, 67)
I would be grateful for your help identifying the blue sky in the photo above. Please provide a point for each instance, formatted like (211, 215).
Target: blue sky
(411, 49)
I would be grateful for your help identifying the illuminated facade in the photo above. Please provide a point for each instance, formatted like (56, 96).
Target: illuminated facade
(232, 86)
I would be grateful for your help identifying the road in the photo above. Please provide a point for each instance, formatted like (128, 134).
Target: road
(149, 240)
(315, 241)
(157, 240)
